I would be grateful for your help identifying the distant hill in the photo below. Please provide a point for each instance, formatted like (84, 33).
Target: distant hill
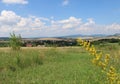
(4, 38)
(79, 35)
(117, 35)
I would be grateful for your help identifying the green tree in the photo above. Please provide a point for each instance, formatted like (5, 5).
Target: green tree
(15, 41)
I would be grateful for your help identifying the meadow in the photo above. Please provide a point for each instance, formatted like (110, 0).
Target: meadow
(54, 65)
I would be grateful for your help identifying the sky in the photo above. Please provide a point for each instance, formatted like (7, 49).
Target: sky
(50, 18)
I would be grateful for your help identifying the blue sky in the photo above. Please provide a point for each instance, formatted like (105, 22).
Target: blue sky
(36, 18)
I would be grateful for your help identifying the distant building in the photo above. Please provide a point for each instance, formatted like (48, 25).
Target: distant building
(28, 45)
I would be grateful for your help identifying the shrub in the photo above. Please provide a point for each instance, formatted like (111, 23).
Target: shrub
(15, 41)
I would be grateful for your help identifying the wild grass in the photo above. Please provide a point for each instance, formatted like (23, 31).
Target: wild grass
(55, 65)
(114, 50)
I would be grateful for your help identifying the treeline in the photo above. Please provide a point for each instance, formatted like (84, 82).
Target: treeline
(103, 41)
(48, 43)
(4, 44)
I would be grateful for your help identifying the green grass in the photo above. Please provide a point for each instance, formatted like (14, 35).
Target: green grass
(49, 66)
(114, 50)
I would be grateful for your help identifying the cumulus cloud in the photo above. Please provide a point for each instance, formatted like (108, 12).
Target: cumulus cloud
(114, 28)
(65, 2)
(33, 26)
(10, 21)
(71, 22)
(15, 1)
(8, 18)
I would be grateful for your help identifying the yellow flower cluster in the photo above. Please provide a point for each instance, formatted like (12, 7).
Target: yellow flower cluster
(101, 61)
(112, 76)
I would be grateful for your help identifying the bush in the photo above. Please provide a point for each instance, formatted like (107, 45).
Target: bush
(15, 41)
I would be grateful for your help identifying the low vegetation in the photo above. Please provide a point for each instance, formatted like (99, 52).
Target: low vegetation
(103, 61)
(65, 65)
(90, 64)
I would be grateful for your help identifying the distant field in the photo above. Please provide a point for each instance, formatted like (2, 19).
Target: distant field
(53, 65)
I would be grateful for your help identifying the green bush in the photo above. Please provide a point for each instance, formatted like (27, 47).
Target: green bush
(15, 41)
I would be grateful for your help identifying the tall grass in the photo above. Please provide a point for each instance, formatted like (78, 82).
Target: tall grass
(114, 50)
(59, 66)
(104, 61)
(65, 65)
(13, 60)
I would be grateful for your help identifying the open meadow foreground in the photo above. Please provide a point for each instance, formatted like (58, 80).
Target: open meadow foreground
(55, 65)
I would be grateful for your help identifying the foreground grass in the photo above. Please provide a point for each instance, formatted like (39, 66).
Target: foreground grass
(48, 66)
(114, 50)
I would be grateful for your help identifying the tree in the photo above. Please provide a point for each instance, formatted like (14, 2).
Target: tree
(15, 41)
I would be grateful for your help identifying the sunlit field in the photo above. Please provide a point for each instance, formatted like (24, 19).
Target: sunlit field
(54, 65)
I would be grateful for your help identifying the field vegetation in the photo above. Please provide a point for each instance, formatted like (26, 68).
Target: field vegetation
(104, 61)
(58, 65)
(53, 65)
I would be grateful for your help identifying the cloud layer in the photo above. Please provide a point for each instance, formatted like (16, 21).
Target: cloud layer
(15, 1)
(65, 2)
(33, 26)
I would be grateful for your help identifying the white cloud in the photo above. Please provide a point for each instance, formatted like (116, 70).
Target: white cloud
(33, 26)
(71, 22)
(10, 21)
(112, 28)
(65, 2)
(90, 22)
(15, 1)
(8, 17)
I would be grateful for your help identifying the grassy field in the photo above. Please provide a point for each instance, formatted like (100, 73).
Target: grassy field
(65, 65)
